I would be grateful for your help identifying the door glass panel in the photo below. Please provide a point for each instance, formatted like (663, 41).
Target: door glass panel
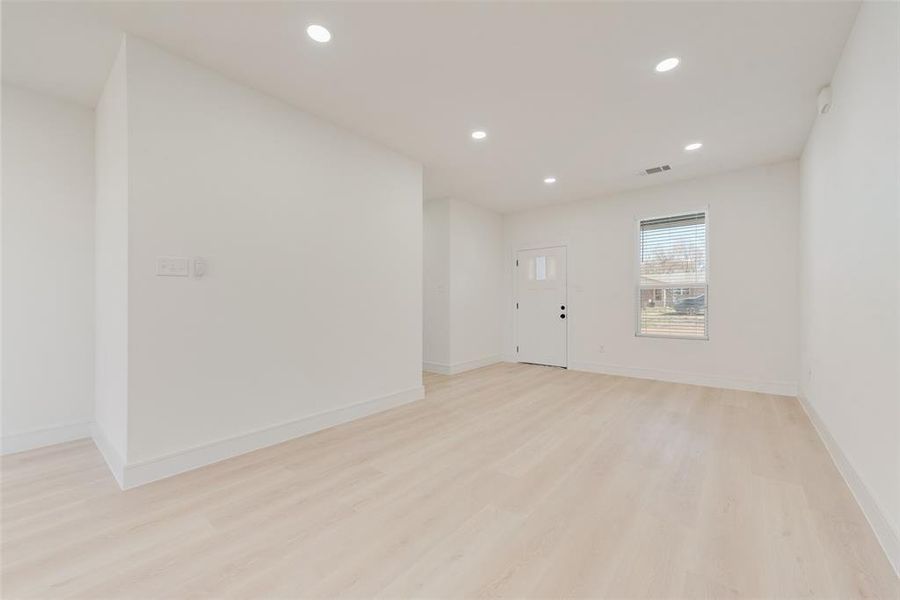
(540, 267)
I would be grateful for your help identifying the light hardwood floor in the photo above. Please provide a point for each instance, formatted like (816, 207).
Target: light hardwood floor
(511, 480)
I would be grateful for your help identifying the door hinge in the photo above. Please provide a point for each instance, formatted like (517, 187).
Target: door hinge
(517, 262)
(517, 349)
(517, 306)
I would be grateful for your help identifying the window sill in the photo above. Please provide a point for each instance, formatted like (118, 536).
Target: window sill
(704, 338)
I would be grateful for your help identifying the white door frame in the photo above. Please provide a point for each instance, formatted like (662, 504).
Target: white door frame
(515, 276)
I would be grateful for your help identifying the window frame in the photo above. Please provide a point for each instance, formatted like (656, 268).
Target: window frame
(637, 276)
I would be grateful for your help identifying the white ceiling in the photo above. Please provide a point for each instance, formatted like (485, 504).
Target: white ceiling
(564, 89)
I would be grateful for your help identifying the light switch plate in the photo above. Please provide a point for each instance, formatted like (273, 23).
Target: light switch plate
(199, 267)
(173, 266)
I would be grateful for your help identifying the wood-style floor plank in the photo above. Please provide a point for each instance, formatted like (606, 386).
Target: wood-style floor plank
(512, 481)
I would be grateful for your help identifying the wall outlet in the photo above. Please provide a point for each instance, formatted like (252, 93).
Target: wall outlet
(173, 266)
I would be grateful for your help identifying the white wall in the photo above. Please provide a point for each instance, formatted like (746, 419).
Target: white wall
(436, 278)
(48, 203)
(463, 285)
(753, 296)
(311, 312)
(111, 268)
(850, 351)
(476, 285)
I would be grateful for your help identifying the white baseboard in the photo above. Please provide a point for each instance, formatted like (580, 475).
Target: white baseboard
(461, 367)
(886, 535)
(114, 460)
(48, 436)
(781, 388)
(146, 471)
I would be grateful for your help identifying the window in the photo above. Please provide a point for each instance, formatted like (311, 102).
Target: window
(672, 288)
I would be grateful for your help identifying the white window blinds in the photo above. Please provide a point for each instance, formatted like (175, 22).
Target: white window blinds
(672, 290)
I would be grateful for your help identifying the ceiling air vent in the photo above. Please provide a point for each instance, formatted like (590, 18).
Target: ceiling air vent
(655, 170)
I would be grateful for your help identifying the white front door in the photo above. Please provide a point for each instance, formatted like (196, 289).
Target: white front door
(541, 315)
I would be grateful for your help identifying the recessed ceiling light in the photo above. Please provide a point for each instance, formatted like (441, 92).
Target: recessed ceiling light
(318, 33)
(667, 64)
(479, 135)
(694, 146)
(549, 179)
